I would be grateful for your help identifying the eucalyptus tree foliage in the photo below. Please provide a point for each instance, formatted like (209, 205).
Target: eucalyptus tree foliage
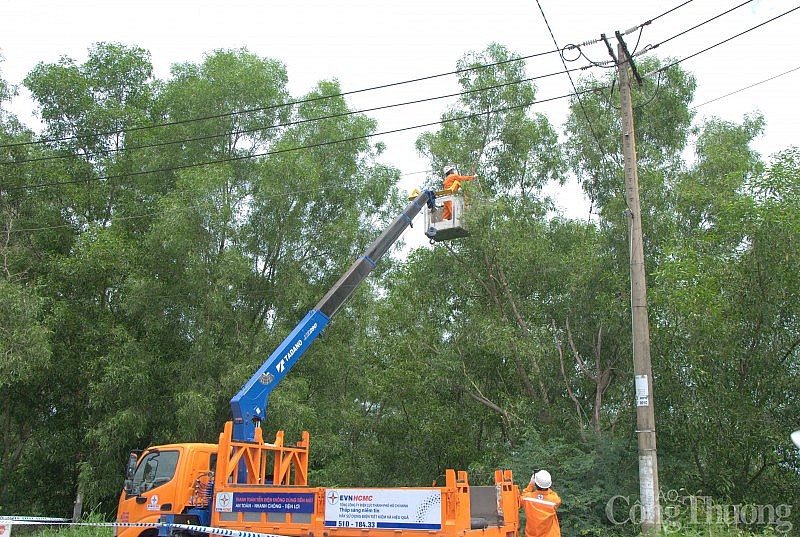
(492, 129)
(537, 309)
(88, 111)
(243, 248)
(82, 180)
(26, 355)
(232, 104)
(726, 312)
(711, 314)
(190, 224)
(503, 284)
(662, 120)
(417, 380)
(722, 346)
(87, 105)
(29, 237)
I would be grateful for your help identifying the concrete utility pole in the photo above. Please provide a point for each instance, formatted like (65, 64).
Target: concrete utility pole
(643, 376)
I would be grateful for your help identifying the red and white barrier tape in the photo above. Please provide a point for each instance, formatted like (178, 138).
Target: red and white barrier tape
(27, 520)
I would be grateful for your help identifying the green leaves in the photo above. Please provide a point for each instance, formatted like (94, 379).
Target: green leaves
(190, 223)
(489, 130)
(24, 337)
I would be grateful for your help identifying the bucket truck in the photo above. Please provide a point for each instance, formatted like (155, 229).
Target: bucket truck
(244, 486)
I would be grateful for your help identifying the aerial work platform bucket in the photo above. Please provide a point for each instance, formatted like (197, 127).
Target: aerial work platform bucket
(438, 229)
(452, 228)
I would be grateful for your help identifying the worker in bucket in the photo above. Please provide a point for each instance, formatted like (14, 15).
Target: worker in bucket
(452, 181)
(540, 504)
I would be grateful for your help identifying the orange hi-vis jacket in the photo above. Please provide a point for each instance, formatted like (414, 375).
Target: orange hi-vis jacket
(453, 181)
(540, 512)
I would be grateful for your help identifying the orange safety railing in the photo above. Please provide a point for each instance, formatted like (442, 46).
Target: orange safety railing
(289, 464)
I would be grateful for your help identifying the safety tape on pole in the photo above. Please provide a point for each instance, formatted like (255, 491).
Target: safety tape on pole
(33, 519)
(45, 521)
(188, 527)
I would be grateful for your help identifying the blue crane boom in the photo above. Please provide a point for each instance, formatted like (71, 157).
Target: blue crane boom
(249, 405)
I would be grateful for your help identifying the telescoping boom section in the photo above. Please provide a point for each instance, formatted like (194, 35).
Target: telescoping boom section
(249, 405)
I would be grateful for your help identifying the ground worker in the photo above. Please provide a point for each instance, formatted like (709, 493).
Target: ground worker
(540, 504)
(453, 182)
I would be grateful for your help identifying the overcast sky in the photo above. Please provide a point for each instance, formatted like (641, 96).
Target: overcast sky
(368, 43)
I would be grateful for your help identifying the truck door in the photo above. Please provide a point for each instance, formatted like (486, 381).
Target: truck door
(153, 482)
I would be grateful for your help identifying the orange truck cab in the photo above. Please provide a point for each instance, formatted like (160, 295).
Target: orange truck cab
(173, 479)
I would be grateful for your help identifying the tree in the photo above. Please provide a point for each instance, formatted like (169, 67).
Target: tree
(178, 255)
(725, 300)
(26, 354)
(484, 346)
(227, 267)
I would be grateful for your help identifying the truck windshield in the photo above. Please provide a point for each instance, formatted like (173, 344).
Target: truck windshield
(155, 469)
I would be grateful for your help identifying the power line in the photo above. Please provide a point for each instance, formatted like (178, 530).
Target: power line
(640, 27)
(652, 47)
(285, 150)
(650, 21)
(665, 67)
(147, 215)
(242, 157)
(291, 123)
(746, 88)
(281, 105)
(669, 11)
(319, 189)
(313, 99)
(589, 122)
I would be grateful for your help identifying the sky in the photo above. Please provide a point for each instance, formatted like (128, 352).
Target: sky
(369, 43)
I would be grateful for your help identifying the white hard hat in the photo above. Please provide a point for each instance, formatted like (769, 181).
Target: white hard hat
(449, 168)
(542, 479)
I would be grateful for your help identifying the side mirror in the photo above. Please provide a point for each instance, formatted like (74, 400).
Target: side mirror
(796, 438)
(130, 469)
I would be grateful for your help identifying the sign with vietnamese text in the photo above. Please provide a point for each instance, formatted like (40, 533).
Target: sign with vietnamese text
(274, 502)
(642, 391)
(419, 509)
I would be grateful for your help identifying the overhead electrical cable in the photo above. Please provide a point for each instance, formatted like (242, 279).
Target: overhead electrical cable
(282, 195)
(289, 149)
(589, 123)
(290, 123)
(243, 157)
(280, 105)
(323, 97)
(610, 64)
(696, 26)
(676, 62)
(746, 87)
(650, 21)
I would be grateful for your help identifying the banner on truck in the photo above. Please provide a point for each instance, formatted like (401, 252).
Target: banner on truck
(419, 509)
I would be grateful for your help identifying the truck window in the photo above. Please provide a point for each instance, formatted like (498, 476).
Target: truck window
(155, 469)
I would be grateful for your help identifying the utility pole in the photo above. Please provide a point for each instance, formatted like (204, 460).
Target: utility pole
(642, 370)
